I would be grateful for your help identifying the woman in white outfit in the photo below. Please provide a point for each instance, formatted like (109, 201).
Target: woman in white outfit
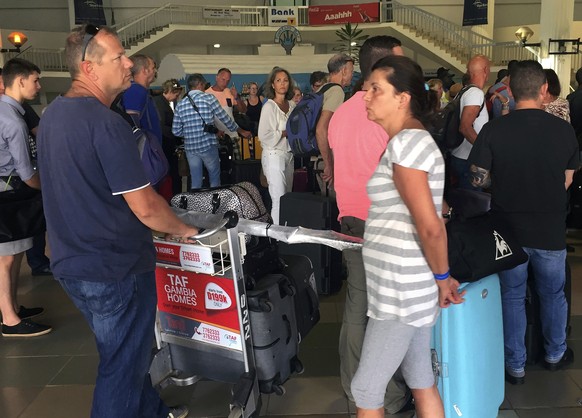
(277, 158)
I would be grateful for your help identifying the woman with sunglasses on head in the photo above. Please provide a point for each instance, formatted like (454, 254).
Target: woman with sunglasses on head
(405, 244)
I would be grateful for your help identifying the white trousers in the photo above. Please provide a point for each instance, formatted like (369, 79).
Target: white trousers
(278, 169)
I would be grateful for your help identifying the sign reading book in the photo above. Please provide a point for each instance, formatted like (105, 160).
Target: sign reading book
(281, 16)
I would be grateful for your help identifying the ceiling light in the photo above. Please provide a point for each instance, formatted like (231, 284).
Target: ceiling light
(217, 45)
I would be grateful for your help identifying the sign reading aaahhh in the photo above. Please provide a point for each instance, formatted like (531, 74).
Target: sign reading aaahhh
(198, 306)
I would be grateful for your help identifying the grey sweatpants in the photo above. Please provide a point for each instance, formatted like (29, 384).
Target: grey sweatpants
(354, 323)
(389, 344)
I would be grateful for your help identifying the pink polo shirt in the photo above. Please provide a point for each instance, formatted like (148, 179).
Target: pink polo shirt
(357, 144)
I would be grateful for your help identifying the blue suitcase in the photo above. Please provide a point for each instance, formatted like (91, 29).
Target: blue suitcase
(467, 352)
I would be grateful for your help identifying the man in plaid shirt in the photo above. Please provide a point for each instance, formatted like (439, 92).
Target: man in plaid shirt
(194, 121)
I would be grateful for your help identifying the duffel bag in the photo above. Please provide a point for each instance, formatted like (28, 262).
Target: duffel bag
(243, 198)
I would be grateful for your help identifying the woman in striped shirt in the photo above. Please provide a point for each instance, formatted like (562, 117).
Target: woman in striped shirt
(405, 244)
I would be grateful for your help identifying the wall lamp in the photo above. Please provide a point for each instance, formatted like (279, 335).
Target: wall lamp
(523, 34)
(555, 46)
(17, 39)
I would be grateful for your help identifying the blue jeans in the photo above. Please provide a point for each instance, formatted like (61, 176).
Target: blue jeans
(460, 170)
(210, 160)
(121, 314)
(550, 276)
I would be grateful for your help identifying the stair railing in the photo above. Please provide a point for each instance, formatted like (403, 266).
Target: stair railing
(460, 42)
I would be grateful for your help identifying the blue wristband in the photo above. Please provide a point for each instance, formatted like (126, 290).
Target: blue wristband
(442, 276)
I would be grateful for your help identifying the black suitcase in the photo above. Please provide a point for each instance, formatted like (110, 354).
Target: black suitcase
(246, 170)
(274, 332)
(316, 212)
(534, 340)
(299, 270)
(226, 156)
(262, 258)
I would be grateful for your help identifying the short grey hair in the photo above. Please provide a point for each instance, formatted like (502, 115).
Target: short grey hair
(140, 61)
(74, 47)
(195, 80)
(337, 62)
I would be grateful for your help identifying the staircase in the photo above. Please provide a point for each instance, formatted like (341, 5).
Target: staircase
(449, 42)
(441, 40)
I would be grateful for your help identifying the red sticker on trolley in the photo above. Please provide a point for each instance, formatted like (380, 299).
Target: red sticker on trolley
(196, 296)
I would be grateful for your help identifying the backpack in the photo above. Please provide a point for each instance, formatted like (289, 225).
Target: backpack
(150, 150)
(445, 130)
(303, 121)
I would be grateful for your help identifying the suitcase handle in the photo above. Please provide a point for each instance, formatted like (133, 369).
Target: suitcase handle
(313, 298)
(288, 326)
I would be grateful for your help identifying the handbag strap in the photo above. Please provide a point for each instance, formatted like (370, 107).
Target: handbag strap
(195, 107)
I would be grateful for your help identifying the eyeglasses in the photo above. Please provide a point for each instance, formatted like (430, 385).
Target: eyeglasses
(90, 32)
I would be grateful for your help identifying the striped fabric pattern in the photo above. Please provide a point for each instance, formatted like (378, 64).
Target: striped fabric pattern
(400, 283)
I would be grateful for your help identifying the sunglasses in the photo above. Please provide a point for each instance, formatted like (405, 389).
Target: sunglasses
(90, 32)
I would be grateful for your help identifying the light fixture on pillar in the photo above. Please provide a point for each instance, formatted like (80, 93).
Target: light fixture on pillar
(523, 34)
(564, 46)
(17, 39)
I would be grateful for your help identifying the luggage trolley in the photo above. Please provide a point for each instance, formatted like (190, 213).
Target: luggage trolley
(203, 326)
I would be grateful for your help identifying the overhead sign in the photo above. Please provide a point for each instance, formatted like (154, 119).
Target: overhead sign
(287, 36)
(89, 11)
(221, 13)
(475, 12)
(279, 16)
(347, 13)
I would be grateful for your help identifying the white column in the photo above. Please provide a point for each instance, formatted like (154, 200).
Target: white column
(556, 23)
(72, 14)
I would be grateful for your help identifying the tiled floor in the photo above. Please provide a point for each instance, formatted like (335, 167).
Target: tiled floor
(52, 376)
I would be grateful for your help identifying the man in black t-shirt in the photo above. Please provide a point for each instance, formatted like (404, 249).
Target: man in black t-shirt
(528, 159)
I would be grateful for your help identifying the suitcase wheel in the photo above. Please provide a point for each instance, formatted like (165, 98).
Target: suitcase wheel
(297, 366)
(235, 412)
(288, 289)
(279, 390)
(266, 305)
(260, 305)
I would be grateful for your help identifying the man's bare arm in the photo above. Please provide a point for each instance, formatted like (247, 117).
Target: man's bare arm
(569, 177)
(323, 144)
(153, 211)
(468, 117)
(481, 177)
(34, 181)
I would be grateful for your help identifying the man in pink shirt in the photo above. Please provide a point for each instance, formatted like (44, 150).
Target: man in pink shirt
(357, 145)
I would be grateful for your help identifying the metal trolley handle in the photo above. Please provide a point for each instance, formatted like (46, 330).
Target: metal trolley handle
(229, 220)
